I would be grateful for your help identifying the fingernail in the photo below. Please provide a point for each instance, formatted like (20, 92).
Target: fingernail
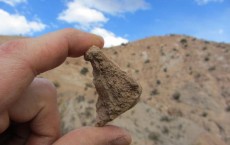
(124, 140)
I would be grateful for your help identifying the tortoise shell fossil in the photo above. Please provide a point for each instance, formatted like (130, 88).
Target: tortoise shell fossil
(118, 92)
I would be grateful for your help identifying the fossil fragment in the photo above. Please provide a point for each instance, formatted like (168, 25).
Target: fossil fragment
(117, 91)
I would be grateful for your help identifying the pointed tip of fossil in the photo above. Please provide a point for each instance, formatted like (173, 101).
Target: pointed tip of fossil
(102, 119)
(93, 50)
(100, 124)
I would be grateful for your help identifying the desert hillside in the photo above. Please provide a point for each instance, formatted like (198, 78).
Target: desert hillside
(185, 99)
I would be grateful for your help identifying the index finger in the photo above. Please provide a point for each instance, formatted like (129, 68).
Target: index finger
(21, 60)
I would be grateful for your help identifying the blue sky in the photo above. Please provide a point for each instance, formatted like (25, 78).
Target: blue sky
(118, 21)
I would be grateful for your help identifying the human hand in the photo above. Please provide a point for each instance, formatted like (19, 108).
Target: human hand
(28, 106)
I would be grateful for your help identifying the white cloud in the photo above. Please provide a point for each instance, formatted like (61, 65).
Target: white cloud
(13, 2)
(203, 2)
(85, 16)
(91, 13)
(110, 38)
(15, 24)
(115, 6)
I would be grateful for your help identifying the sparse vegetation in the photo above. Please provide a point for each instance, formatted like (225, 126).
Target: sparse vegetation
(87, 114)
(83, 123)
(183, 41)
(206, 42)
(91, 101)
(80, 98)
(154, 136)
(176, 96)
(206, 58)
(165, 130)
(162, 53)
(88, 85)
(172, 35)
(228, 109)
(197, 75)
(193, 39)
(172, 57)
(147, 61)
(204, 48)
(124, 44)
(88, 111)
(154, 92)
(166, 118)
(174, 49)
(212, 68)
(158, 82)
(56, 84)
(84, 71)
(187, 55)
(204, 114)
(147, 110)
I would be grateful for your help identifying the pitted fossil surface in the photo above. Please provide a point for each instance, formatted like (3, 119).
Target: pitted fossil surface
(118, 92)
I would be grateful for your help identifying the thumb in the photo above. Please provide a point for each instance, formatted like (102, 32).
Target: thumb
(108, 135)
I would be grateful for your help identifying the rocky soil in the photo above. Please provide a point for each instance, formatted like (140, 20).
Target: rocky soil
(185, 98)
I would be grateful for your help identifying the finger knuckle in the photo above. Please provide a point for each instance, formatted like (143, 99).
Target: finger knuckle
(48, 89)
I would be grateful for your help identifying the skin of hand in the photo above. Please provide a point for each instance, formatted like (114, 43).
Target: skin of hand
(28, 105)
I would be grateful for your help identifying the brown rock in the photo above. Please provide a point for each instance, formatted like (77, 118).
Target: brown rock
(118, 92)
